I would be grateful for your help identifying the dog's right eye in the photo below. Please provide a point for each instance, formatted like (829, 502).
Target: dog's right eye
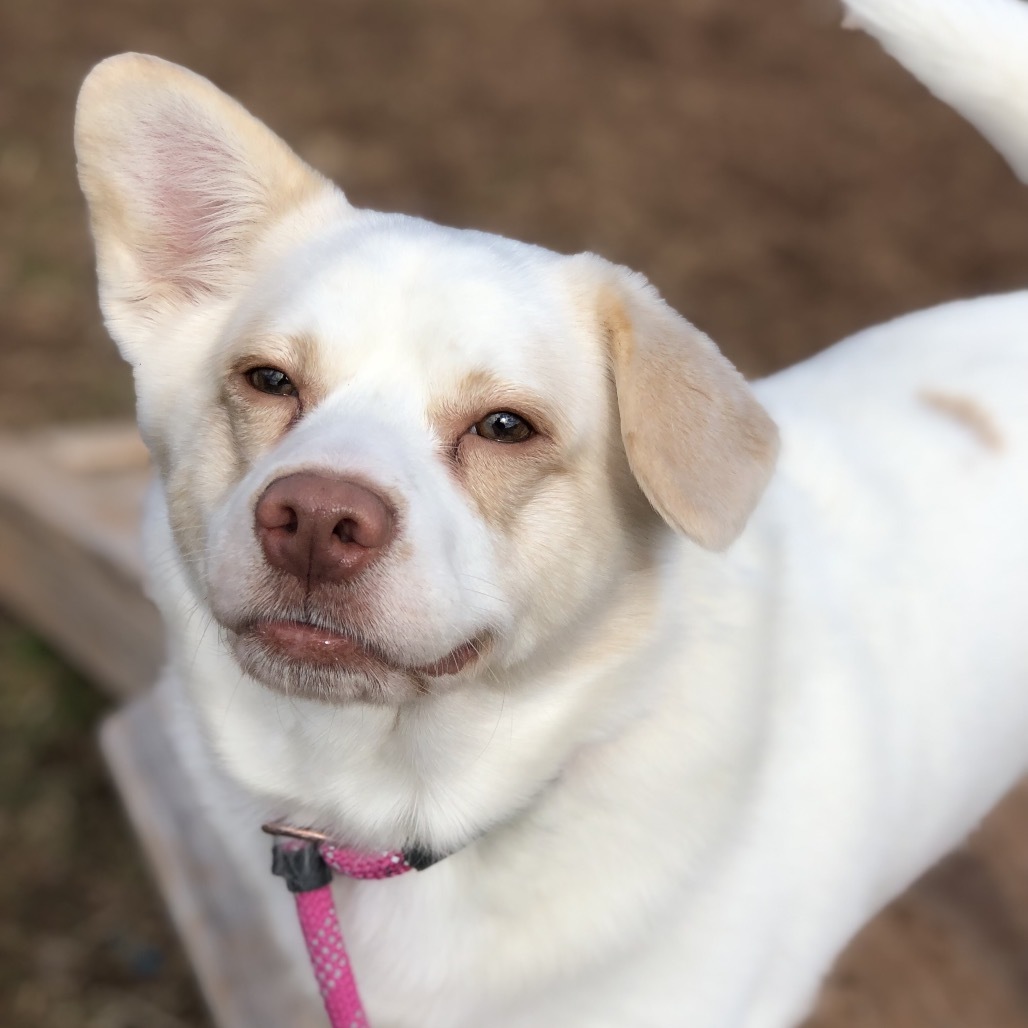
(271, 380)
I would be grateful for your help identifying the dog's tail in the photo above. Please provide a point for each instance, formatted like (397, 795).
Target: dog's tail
(972, 54)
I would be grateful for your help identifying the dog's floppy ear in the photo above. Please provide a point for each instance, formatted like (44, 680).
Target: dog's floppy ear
(181, 182)
(699, 444)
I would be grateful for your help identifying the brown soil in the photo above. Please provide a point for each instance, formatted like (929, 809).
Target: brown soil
(779, 179)
(83, 940)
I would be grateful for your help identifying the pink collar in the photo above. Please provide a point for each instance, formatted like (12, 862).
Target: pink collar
(306, 859)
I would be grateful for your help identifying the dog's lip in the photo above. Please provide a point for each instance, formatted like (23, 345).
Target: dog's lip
(309, 643)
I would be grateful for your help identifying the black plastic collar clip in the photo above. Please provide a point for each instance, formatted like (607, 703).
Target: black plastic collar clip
(301, 865)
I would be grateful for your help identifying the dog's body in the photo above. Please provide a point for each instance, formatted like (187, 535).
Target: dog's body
(669, 783)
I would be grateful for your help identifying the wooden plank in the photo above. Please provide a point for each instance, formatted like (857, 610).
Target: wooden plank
(70, 561)
(224, 927)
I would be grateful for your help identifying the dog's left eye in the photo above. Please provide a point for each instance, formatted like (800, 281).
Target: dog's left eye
(271, 380)
(503, 427)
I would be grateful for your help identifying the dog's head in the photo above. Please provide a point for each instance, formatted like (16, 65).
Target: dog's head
(395, 456)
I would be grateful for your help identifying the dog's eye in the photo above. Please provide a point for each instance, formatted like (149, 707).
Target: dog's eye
(271, 380)
(503, 427)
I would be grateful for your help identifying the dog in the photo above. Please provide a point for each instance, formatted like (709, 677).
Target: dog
(470, 547)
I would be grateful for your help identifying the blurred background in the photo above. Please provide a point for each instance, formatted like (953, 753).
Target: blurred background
(780, 180)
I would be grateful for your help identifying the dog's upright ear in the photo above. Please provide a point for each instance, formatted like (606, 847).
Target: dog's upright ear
(181, 183)
(699, 444)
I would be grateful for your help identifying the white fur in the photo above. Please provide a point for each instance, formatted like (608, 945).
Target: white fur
(969, 54)
(681, 780)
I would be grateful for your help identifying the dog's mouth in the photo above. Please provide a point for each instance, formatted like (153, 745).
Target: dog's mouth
(314, 646)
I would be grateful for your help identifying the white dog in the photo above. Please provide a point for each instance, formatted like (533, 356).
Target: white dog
(684, 679)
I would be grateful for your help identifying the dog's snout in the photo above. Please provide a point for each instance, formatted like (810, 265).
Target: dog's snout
(322, 529)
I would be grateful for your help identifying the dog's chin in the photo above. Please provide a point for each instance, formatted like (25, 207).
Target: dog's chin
(308, 661)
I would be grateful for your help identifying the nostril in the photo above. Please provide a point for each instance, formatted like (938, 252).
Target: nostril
(369, 526)
(346, 530)
(278, 516)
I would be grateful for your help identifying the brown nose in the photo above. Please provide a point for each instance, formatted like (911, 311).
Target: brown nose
(321, 529)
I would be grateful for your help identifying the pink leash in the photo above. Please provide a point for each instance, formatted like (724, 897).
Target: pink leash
(306, 860)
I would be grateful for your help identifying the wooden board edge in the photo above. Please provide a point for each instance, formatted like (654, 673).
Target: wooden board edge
(242, 975)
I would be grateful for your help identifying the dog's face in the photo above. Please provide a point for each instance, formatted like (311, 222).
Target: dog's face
(396, 457)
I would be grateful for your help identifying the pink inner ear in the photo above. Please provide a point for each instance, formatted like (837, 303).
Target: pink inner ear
(198, 198)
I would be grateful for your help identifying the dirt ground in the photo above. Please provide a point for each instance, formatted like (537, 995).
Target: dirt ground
(779, 180)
